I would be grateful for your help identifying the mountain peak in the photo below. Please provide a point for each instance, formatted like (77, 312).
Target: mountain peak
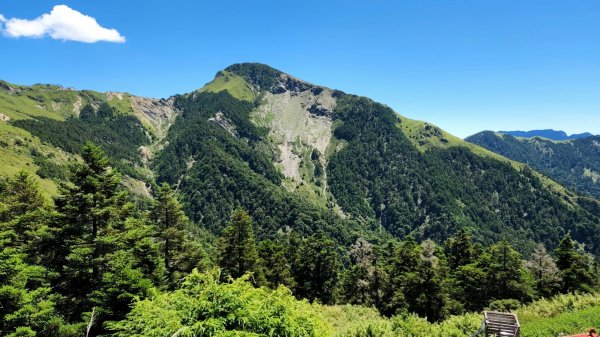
(264, 77)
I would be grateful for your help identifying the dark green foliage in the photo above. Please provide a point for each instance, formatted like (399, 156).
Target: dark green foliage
(506, 275)
(238, 254)
(260, 75)
(180, 253)
(315, 267)
(26, 299)
(105, 111)
(50, 170)
(92, 251)
(459, 249)
(432, 194)
(564, 162)
(574, 267)
(276, 268)
(217, 171)
(120, 136)
(87, 112)
(364, 282)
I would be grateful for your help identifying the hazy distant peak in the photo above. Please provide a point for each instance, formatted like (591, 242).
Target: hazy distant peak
(547, 133)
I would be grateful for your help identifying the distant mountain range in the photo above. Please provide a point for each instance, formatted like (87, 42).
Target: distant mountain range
(558, 135)
(574, 163)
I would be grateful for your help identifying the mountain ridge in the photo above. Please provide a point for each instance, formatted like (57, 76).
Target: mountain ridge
(557, 135)
(302, 157)
(574, 163)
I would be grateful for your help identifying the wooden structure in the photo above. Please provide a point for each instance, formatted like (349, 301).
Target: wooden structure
(499, 324)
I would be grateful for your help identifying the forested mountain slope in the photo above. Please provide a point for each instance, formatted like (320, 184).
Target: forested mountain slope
(43, 128)
(287, 150)
(299, 157)
(574, 163)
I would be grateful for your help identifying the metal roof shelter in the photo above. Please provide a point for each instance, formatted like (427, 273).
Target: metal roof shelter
(499, 324)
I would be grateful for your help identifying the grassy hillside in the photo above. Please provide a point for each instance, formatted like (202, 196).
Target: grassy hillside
(40, 131)
(234, 84)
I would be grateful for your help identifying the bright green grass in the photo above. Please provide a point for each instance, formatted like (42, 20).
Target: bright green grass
(565, 324)
(121, 102)
(568, 314)
(234, 84)
(15, 155)
(23, 107)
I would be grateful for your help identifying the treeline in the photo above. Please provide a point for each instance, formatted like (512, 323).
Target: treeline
(82, 262)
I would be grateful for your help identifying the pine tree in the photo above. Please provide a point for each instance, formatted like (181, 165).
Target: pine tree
(316, 268)
(91, 253)
(180, 253)
(276, 267)
(574, 269)
(459, 249)
(27, 304)
(238, 254)
(505, 274)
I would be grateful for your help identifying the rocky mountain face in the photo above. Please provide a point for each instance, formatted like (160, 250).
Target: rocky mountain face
(574, 163)
(303, 158)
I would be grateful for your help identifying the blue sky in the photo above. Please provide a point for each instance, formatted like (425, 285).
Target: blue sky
(463, 65)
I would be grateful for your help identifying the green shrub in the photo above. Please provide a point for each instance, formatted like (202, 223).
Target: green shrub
(205, 307)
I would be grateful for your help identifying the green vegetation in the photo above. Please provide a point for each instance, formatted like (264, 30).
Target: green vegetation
(93, 254)
(205, 307)
(430, 232)
(574, 163)
(120, 135)
(564, 314)
(432, 194)
(235, 85)
(216, 171)
(260, 75)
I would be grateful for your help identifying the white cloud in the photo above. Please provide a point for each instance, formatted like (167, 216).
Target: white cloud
(62, 23)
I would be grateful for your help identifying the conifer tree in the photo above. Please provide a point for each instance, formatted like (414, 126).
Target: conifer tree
(27, 305)
(573, 265)
(316, 268)
(459, 249)
(544, 271)
(276, 267)
(238, 253)
(92, 254)
(180, 253)
(506, 275)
